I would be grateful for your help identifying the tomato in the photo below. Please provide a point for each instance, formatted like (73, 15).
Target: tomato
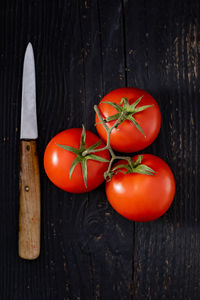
(141, 123)
(58, 161)
(140, 197)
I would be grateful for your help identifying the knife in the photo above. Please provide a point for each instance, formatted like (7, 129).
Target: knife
(29, 196)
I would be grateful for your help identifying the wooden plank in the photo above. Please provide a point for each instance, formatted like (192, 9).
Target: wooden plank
(118, 231)
(162, 57)
(64, 211)
(106, 237)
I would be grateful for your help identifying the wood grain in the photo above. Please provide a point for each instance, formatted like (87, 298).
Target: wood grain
(83, 49)
(107, 237)
(29, 212)
(162, 55)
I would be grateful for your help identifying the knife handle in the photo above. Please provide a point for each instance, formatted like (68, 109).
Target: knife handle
(29, 207)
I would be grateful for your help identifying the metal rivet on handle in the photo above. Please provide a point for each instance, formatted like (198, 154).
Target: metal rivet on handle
(26, 188)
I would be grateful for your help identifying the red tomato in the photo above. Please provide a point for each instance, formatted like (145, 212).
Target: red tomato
(128, 138)
(140, 197)
(57, 162)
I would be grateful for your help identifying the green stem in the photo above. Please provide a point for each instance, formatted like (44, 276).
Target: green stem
(108, 131)
(114, 157)
(108, 147)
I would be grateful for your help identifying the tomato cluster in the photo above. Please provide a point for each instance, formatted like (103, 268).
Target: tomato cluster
(140, 188)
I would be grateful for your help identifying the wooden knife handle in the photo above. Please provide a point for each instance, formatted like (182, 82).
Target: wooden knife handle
(29, 211)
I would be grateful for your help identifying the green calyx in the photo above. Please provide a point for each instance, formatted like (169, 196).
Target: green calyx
(134, 167)
(128, 111)
(81, 157)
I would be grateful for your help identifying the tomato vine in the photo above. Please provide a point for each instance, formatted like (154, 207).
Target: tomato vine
(83, 154)
(121, 116)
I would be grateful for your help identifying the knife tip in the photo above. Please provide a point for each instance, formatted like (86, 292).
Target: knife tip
(29, 46)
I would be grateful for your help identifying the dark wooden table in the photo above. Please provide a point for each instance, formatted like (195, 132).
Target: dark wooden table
(84, 49)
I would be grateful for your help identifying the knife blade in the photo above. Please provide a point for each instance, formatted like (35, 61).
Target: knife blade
(29, 206)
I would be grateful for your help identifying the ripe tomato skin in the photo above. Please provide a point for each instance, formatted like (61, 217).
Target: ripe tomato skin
(57, 162)
(128, 138)
(140, 197)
